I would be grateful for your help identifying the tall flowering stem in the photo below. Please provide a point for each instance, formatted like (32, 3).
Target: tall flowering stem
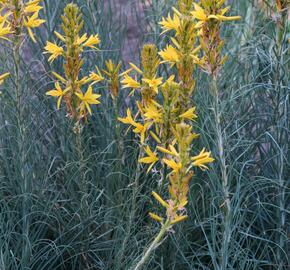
(165, 115)
(69, 86)
(74, 90)
(281, 14)
(17, 19)
(210, 16)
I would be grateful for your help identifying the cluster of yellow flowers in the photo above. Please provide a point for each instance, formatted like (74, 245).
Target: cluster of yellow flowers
(210, 15)
(166, 112)
(69, 86)
(15, 16)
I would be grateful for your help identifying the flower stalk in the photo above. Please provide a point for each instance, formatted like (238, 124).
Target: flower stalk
(210, 16)
(17, 19)
(165, 115)
(154, 245)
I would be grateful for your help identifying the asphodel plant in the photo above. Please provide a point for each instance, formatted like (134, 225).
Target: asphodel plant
(18, 20)
(165, 114)
(75, 90)
(18, 17)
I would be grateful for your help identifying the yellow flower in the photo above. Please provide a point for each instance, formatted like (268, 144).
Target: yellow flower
(153, 83)
(89, 98)
(200, 14)
(152, 113)
(128, 119)
(170, 23)
(173, 165)
(92, 41)
(129, 82)
(169, 55)
(4, 30)
(3, 77)
(57, 92)
(189, 114)
(96, 76)
(150, 159)
(32, 6)
(201, 159)
(80, 40)
(33, 22)
(54, 50)
(141, 129)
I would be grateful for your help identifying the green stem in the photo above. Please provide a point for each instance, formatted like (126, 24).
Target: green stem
(280, 136)
(225, 181)
(26, 186)
(156, 242)
(83, 191)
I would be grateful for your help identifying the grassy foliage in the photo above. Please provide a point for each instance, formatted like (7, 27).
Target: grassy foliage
(47, 223)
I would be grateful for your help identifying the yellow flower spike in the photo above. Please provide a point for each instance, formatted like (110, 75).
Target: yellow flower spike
(81, 97)
(3, 77)
(201, 159)
(153, 83)
(189, 114)
(92, 42)
(88, 99)
(160, 200)
(179, 219)
(173, 165)
(54, 50)
(150, 159)
(169, 55)
(57, 92)
(155, 217)
(129, 82)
